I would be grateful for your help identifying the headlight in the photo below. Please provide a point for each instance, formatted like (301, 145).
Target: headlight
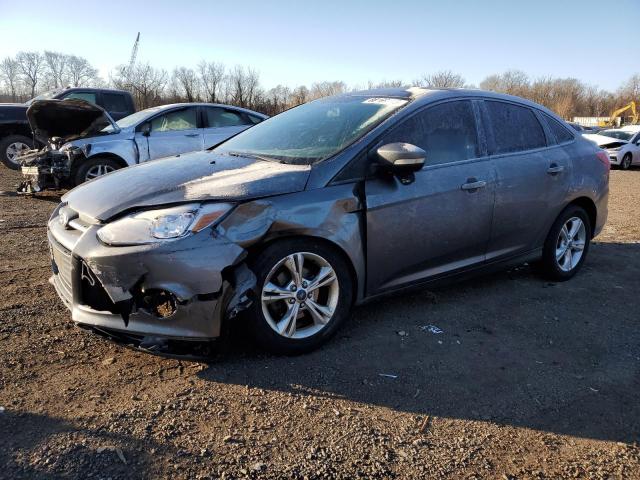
(153, 226)
(617, 149)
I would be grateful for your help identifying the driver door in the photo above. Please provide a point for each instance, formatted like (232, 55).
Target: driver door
(175, 132)
(440, 222)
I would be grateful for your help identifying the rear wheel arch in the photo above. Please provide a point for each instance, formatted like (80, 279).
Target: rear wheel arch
(588, 206)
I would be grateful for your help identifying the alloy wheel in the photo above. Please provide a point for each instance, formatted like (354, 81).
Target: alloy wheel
(626, 161)
(98, 171)
(570, 244)
(14, 150)
(300, 295)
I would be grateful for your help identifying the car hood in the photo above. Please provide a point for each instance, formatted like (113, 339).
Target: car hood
(194, 177)
(605, 142)
(68, 119)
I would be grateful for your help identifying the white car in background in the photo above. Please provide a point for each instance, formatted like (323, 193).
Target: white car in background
(622, 145)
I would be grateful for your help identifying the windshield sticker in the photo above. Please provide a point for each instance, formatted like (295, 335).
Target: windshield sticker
(390, 102)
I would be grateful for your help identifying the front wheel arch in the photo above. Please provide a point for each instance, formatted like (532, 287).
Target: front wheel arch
(255, 250)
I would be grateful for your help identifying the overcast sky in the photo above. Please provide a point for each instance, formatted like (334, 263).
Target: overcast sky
(294, 43)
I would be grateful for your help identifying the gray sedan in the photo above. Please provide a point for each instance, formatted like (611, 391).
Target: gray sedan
(325, 206)
(161, 132)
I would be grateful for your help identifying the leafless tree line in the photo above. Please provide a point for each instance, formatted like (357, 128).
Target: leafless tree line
(29, 73)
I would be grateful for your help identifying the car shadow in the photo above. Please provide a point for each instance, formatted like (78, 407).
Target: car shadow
(39, 446)
(514, 350)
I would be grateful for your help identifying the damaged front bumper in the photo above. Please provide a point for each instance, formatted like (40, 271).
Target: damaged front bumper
(179, 290)
(47, 168)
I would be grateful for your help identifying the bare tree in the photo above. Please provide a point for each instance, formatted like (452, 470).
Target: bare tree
(243, 86)
(299, 95)
(30, 65)
(146, 83)
(9, 73)
(326, 89)
(80, 71)
(211, 79)
(442, 79)
(188, 81)
(57, 67)
(630, 90)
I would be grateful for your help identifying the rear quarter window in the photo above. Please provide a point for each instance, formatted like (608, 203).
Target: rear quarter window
(559, 131)
(114, 102)
(515, 128)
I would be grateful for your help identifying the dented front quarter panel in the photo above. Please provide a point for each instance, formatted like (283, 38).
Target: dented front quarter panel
(333, 214)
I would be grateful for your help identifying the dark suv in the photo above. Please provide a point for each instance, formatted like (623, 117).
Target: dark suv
(15, 133)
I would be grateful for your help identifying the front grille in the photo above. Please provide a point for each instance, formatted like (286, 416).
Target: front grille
(62, 270)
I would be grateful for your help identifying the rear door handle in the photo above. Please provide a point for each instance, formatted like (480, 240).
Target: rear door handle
(473, 184)
(555, 168)
(192, 135)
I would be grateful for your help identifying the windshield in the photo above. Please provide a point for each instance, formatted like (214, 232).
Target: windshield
(44, 96)
(619, 134)
(131, 120)
(314, 131)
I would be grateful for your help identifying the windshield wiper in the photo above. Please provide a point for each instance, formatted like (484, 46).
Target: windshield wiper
(253, 155)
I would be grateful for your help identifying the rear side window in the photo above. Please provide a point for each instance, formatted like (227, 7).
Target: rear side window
(561, 133)
(515, 128)
(221, 117)
(255, 120)
(179, 120)
(447, 132)
(114, 102)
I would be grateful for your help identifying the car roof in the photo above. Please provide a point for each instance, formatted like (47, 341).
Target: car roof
(631, 128)
(162, 108)
(421, 95)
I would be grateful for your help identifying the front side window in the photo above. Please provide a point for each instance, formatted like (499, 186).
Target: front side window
(313, 131)
(221, 117)
(446, 132)
(515, 128)
(179, 120)
(89, 97)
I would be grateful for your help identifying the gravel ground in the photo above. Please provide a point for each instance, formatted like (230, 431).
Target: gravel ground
(528, 379)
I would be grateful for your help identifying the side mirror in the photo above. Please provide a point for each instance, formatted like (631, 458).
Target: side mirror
(401, 158)
(145, 129)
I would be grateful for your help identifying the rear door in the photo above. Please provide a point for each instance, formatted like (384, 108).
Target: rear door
(441, 221)
(532, 181)
(175, 132)
(222, 123)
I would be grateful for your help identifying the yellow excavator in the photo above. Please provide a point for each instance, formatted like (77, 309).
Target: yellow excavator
(616, 113)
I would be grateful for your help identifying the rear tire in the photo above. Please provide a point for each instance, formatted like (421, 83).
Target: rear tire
(94, 168)
(317, 312)
(625, 164)
(567, 244)
(10, 147)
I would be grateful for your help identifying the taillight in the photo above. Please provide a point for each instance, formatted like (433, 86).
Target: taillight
(604, 158)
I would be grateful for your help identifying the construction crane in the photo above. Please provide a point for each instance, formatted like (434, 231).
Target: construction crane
(616, 113)
(134, 54)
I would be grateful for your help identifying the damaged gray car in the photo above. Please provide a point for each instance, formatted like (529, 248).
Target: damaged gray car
(296, 220)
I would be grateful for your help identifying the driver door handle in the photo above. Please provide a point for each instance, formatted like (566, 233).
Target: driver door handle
(473, 184)
(192, 135)
(555, 168)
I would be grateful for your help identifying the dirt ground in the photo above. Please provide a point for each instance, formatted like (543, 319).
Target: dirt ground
(528, 379)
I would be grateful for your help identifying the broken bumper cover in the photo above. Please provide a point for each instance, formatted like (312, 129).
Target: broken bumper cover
(172, 289)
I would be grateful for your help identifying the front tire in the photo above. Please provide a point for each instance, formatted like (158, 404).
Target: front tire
(94, 168)
(11, 148)
(567, 244)
(626, 162)
(305, 292)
